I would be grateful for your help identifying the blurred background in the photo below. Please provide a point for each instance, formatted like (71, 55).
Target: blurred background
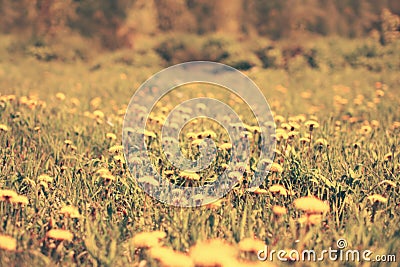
(164, 32)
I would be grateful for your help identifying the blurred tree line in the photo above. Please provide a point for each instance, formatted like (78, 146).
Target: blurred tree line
(117, 23)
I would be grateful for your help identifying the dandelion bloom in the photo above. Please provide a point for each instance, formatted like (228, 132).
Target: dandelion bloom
(8, 243)
(19, 199)
(377, 198)
(191, 135)
(6, 194)
(3, 127)
(278, 189)
(311, 205)
(111, 136)
(60, 96)
(321, 142)
(70, 211)
(279, 210)
(293, 134)
(192, 176)
(168, 257)
(389, 183)
(379, 93)
(226, 146)
(213, 252)
(304, 140)
(374, 124)
(45, 178)
(209, 134)
(279, 119)
(119, 158)
(251, 245)
(259, 191)
(311, 124)
(280, 134)
(148, 239)
(98, 114)
(115, 149)
(68, 142)
(275, 167)
(60, 234)
(388, 156)
(365, 130)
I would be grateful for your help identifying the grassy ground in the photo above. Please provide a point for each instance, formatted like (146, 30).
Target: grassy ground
(57, 121)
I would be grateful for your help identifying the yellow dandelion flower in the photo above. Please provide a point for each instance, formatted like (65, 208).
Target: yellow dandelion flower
(191, 135)
(292, 134)
(209, 134)
(20, 199)
(170, 258)
(279, 210)
(98, 114)
(95, 102)
(60, 96)
(388, 156)
(148, 239)
(321, 142)
(379, 93)
(7, 195)
(311, 124)
(251, 245)
(115, 149)
(45, 178)
(259, 191)
(60, 235)
(281, 135)
(8, 243)
(226, 146)
(311, 205)
(301, 118)
(68, 142)
(365, 130)
(70, 211)
(11, 98)
(275, 167)
(189, 175)
(3, 128)
(286, 126)
(294, 125)
(149, 134)
(374, 124)
(388, 183)
(119, 158)
(377, 198)
(279, 119)
(304, 140)
(218, 253)
(111, 136)
(278, 189)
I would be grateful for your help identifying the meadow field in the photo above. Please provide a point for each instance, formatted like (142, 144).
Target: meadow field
(68, 198)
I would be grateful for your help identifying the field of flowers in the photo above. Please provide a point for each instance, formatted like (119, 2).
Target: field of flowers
(67, 197)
